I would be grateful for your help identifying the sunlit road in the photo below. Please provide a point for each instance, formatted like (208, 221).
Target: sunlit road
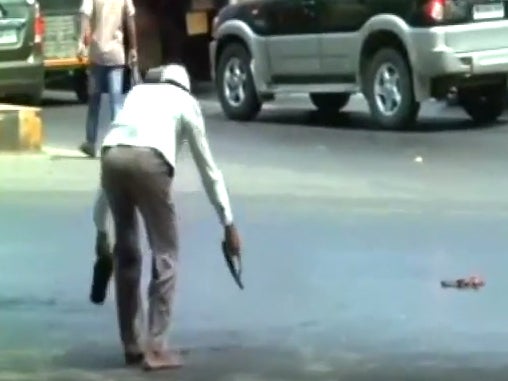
(347, 233)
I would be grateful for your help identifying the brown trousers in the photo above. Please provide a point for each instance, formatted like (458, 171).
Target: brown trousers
(140, 179)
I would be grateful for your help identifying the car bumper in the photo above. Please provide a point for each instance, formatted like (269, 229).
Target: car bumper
(22, 77)
(65, 63)
(468, 50)
(213, 51)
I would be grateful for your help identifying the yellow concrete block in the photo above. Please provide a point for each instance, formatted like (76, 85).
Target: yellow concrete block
(21, 128)
(30, 129)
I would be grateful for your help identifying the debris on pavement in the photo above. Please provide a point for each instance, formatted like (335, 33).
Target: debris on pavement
(473, 282)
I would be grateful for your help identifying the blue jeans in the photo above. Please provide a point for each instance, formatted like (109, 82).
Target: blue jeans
(101, 79)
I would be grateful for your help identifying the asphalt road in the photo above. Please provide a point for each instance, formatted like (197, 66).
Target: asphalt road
(347, 233)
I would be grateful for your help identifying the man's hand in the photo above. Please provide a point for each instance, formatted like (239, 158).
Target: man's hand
(133, 57)
(232, 254)
(232, 239)
(81, 50)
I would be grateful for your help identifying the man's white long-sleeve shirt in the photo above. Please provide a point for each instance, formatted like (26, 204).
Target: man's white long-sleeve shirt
(163, 117)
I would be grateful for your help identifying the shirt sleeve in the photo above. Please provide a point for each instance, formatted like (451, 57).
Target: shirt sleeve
(211, 176)
(86, 8)
(129, 8)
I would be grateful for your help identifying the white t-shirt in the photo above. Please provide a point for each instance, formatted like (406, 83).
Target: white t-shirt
(163, 117)
(107, 24)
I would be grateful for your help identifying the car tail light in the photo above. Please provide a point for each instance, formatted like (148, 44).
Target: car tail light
(434, 9)
(39, 25)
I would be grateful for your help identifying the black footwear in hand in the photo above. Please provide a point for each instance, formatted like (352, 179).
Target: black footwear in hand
(102, 270)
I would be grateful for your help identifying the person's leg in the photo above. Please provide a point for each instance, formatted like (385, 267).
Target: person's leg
(154, 199)
(100, 211)
(115, 89)
(117, 183)
(103, 267)
(96, 83)
(103, 245)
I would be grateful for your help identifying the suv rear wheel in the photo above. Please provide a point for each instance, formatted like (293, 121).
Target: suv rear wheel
(330, 102)
(483, 104)
(236, 89)
(388, 88)
(80, 84)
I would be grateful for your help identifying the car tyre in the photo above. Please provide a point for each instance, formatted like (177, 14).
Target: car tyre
(330, 102)
(236, 90)
(80, 85)
(35, 99)
(484, 104)
(388, 88)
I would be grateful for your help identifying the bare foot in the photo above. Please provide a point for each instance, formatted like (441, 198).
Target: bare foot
(134, 358)
(158, 360)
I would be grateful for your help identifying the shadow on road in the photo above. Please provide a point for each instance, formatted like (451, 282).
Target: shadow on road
(59, 102)
(271, 364)
(256, 363)
(70, 156)
(91, 357)
(361, 120)
(47, 101)
(59, 98)
(204, 90)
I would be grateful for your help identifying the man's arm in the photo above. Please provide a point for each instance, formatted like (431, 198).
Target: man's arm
(85, 29)
(85, 11)
(130, 20)
(211, 176)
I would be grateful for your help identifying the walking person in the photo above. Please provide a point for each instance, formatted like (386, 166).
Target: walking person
(138, 165)
(102, 33)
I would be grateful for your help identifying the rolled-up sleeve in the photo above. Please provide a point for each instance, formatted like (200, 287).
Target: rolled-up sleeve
(86, 7)
(130, 9)
(211, 176)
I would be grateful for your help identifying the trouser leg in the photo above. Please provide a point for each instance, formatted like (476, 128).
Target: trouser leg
(115, 88)
(157, 209)
(116, 179)
(100, 211)
(162, 285)
(96, 83)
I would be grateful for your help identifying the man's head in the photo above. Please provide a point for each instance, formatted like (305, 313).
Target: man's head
(172, 72)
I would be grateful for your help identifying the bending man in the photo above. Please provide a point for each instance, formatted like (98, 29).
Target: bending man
(138, 166)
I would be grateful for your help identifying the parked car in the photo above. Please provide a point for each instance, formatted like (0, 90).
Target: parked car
(21, 60)
(396, 53)
(176, 30)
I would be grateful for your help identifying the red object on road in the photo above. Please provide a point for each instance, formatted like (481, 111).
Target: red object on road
(473, 282)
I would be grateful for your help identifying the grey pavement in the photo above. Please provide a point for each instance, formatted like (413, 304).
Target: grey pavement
(347, 233)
